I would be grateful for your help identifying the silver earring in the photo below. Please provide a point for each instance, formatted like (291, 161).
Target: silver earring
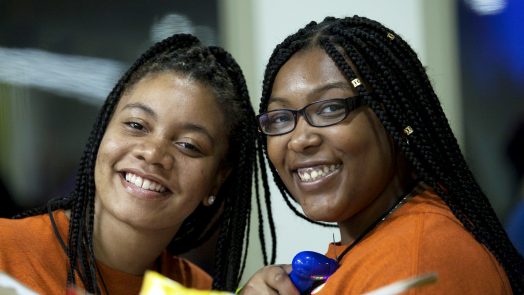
(211, 200)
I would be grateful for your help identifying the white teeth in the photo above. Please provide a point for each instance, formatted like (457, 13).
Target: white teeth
(146, 184)
(312, 174)
(139, 181)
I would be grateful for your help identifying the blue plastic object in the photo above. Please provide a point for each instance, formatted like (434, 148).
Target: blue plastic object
(309, 269)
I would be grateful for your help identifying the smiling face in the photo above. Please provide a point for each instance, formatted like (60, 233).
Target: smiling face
(161, 154)
(341, 173)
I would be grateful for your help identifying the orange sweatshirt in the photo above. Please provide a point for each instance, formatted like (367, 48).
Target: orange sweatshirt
(422, 236)
(31, 253)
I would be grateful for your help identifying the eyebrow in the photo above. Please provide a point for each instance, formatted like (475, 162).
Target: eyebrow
(340, 84)
(325, 87)
(142, 107)
(199, 129)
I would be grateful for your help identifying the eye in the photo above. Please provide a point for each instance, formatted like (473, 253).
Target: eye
(331, 109)
(135, 126)
(188, 147)
(279, 117)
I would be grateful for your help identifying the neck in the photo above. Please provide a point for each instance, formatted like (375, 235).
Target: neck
(358, 225)
(127, 248)
(363, 233)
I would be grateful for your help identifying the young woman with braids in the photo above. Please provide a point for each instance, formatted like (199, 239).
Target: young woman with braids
(169, 162)
(356, 135)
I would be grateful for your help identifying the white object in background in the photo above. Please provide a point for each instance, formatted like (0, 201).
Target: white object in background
(10, 286)
(404, 285)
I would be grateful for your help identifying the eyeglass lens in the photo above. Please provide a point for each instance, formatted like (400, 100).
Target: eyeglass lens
(318, 114)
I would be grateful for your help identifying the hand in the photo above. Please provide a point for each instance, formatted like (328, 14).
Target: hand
(273, 279)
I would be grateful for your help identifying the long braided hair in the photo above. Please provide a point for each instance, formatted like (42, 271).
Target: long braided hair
(229, 215)
(402, 96)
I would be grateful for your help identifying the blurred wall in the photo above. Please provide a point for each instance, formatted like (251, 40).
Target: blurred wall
(492, 74)
(58, 61)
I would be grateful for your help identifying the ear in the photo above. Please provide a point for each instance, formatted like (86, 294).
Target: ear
(222, 175)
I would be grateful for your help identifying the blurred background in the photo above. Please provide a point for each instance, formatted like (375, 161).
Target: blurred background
(59, 60)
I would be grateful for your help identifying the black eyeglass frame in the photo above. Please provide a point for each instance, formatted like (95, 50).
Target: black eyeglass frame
(352, 103)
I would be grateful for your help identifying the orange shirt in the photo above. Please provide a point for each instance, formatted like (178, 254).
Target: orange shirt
(31, 253)
(422, 236)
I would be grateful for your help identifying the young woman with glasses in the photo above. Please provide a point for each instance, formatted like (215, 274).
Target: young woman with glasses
(356, 136)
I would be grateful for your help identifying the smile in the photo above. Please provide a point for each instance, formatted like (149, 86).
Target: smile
(144, 183)
(314, 173)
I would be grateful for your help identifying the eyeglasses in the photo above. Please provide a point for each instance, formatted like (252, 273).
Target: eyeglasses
(321, 113)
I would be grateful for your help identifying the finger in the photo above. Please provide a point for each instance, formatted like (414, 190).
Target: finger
(254, 289)
(280, 281)
(286, 267)
(259, 283)
(272, 279)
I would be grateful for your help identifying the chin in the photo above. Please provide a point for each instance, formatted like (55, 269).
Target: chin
(136, 219)
(143, 224)
(319, 215)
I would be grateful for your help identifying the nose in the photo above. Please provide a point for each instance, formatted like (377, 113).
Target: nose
(304, 137)
(155, 152)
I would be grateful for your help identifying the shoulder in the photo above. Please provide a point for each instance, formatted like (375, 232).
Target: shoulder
(426, 237)
(423, 225)
(427, 221)
(31, 233)
(429, 229)
(19, 231)
(422, 237)
(31, 253)
(185, 272)
(441, 244)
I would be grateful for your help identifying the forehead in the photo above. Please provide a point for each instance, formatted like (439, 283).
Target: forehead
(310, 72)
(176, 97)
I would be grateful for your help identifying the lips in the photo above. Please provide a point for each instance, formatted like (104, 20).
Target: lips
(310, 174)
(144, 183)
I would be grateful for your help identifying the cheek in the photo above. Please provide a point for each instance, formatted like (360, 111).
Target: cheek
(351, 140)
(364, 136)
(370, 154)
(198, 178)
(101, 156)
(102, 160)
(380, 145)
(110, 150)
(276, 150)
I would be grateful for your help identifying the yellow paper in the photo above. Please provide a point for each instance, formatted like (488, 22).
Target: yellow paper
(157, 284)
